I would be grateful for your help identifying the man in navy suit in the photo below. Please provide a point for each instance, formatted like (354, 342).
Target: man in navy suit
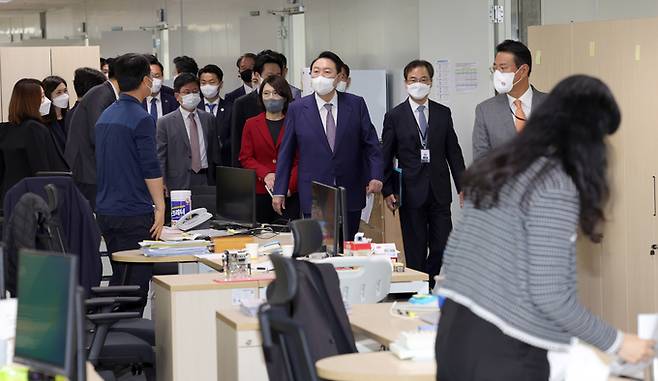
(337, 144)
(419, 133)
(160, 102)
(211, 78)
(245, 66)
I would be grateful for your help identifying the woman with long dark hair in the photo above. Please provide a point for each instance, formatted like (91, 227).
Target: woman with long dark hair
(25, 143)
(510, 265)
(57, 91)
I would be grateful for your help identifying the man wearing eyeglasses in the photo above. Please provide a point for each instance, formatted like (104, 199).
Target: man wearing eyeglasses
(502, 117)
(420, 134)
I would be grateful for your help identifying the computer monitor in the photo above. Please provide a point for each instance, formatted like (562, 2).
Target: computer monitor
(325, 206)
(236, 195)
(45, 322)
(343, 217)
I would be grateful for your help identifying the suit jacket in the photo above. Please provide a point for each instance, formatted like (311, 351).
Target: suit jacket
(220, 141)
(235, 94)
(80, 152)
(167, 90)
(401, 140)
(259, 152)
(174, 151)
(357, 156)
(25, 150)
(494, 122)
(296, 93)
(244, 108)
(169, 103)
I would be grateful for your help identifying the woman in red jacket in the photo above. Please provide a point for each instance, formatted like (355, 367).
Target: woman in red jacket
(261, 138)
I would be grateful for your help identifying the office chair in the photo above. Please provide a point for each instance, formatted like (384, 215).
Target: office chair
(116, 352)
(142, 328)
(284, 341)
(307, 237)
(362, 279)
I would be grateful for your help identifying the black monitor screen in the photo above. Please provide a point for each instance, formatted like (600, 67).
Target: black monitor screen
(44, 323)
(324, 209)
(236, 195)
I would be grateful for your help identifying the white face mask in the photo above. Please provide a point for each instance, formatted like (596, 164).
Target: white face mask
(504, 82)
(322, 85)
(61, 101)
(341, 86)
(209, 91)
(190, 101)
(157, 85)
(44, 109)
(418, 90)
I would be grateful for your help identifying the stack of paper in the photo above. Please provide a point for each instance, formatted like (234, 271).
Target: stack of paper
(172, 248)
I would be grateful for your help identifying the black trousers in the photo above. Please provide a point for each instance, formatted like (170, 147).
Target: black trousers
(125, 233)
(428, 225)
(468, 348)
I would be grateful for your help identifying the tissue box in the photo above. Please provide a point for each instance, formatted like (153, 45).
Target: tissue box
(357, 248)
(387, 249)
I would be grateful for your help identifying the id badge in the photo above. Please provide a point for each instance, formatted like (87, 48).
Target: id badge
(424, 156)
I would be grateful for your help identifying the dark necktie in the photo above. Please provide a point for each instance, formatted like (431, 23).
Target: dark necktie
(211, 108)
(194, 144)
(154, 108)
(331, 126)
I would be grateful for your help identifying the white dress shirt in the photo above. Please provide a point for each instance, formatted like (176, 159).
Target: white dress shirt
(202, 141)
(158, 104)
(426, 111)
(248, 89)
(216, 103)
(526, 103)
(116, 91)
(323, 110)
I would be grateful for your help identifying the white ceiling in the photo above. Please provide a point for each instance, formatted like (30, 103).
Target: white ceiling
(37, 5)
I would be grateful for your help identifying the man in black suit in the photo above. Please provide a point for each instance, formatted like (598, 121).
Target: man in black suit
(160, 102)
(245, 66)
(211, 78)
(248, 105)
(80, 152)
(420, 134)
(83, 80)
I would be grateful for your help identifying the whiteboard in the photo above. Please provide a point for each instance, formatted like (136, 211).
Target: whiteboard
(372, 85)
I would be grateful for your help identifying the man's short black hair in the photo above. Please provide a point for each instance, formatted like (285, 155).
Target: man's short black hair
(332, 56)
(130, 70)
(183, 79)
(212, 69)
(103, 62)
(282, 58)
(185, 64)
(153, 60)
(246, 55)
(521, 53)
(347, 69)
(265, 58)
(419, 63)
(85, 78)
(110, 67)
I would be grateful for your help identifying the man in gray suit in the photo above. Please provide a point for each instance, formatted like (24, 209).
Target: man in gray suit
(500, 118)
(184, 139)
(80, 153)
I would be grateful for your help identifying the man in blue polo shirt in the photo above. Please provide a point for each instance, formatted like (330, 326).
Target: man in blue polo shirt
(128, 171)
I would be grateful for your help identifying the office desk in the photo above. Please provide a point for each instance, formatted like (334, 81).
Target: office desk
(375, 366)
(184, 308)
(239, 346)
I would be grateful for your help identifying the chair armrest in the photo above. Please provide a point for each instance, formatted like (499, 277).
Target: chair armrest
(109, 301)
(115, 291)
(112, 317)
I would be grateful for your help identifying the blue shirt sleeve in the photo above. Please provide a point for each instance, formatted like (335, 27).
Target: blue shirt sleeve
(144, 137)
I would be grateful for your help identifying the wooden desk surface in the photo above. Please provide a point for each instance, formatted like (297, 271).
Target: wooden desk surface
(137, 256)
(372, 320)
(376, 322)
(379, 366)
(211, 281)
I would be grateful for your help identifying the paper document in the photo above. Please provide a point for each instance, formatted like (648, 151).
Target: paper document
(367, 211)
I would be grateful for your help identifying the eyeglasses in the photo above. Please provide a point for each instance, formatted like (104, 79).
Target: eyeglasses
(425, 80)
